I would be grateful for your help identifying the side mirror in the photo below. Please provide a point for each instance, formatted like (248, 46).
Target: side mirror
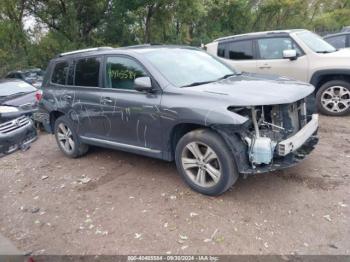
(143, 84)
(290, 54)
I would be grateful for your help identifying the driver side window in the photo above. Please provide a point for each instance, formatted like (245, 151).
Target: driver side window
(272, 48)
(122, 71)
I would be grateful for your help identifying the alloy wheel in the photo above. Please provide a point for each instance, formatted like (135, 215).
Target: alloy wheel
(336, 99)
(65, 138)
(201, 164)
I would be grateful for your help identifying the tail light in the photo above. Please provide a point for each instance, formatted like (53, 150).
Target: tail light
(38, 95)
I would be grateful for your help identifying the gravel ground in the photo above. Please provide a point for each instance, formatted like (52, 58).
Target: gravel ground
(111, 202)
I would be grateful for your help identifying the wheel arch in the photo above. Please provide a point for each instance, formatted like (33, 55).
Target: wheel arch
(54, 115)
(323, 76)
(229, 134)
(178, 131)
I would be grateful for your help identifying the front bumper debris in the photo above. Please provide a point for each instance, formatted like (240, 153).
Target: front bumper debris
(294, 142)
(287, 161)
(303, 144)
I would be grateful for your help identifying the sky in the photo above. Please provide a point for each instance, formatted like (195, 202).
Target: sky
(29, 22)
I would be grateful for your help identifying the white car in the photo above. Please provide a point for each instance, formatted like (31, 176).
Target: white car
(298, 54)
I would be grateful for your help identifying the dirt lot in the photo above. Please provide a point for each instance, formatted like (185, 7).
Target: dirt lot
(111, 202)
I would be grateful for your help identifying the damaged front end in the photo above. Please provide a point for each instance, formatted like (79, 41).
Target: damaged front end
(274, 137)
(17, 130)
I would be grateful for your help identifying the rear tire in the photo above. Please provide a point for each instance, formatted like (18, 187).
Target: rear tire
(333, 98)
(67, 139)
(205, 162)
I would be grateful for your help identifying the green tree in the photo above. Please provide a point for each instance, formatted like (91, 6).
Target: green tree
(64, 25)
(14, 41)
(76, 20)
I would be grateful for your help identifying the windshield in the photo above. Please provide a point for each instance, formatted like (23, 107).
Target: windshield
(315, 42)
(187, 67)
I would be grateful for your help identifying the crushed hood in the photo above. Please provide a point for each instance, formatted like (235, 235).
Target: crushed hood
(252, 89)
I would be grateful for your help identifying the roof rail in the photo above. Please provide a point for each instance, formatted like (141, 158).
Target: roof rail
(85, 50)
(224, 38)
(272, 32)
(135, 46)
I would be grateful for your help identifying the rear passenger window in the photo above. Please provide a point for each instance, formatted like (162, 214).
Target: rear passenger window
(122, 71)
(87, 72)
(238, 50)
(59, 73)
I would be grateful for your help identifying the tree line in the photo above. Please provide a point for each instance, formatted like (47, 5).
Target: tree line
(34, 31)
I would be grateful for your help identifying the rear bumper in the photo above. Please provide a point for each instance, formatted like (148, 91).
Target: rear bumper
(19, 138)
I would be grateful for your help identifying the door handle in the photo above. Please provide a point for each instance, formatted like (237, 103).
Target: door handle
(106, 100)
(265, 67)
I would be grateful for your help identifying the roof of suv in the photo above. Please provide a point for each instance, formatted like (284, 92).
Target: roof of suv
(110, 50)
(255, 34)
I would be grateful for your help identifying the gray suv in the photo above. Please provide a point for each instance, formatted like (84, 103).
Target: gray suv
(182, 104)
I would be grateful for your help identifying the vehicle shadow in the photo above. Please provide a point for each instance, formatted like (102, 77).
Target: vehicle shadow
(267, 185)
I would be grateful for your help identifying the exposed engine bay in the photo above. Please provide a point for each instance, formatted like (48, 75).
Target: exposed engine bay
(276, 130)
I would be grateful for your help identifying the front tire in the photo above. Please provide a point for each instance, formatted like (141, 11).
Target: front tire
(205, 162)
(333, 98)
(67, 139)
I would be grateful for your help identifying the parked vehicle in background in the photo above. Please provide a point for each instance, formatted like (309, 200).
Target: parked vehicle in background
(18, 102)
(346, 29)
(32, 76)
(14, 92)
(339, 40)
(182, 104)
(298, 54)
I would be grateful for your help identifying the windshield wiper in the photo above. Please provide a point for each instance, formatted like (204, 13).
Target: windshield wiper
(325, 52)
(225, 76)
(211, 81)
(199, 83)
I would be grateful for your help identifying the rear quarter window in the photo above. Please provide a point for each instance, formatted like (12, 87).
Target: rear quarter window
(222, 50)
(59, 74)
